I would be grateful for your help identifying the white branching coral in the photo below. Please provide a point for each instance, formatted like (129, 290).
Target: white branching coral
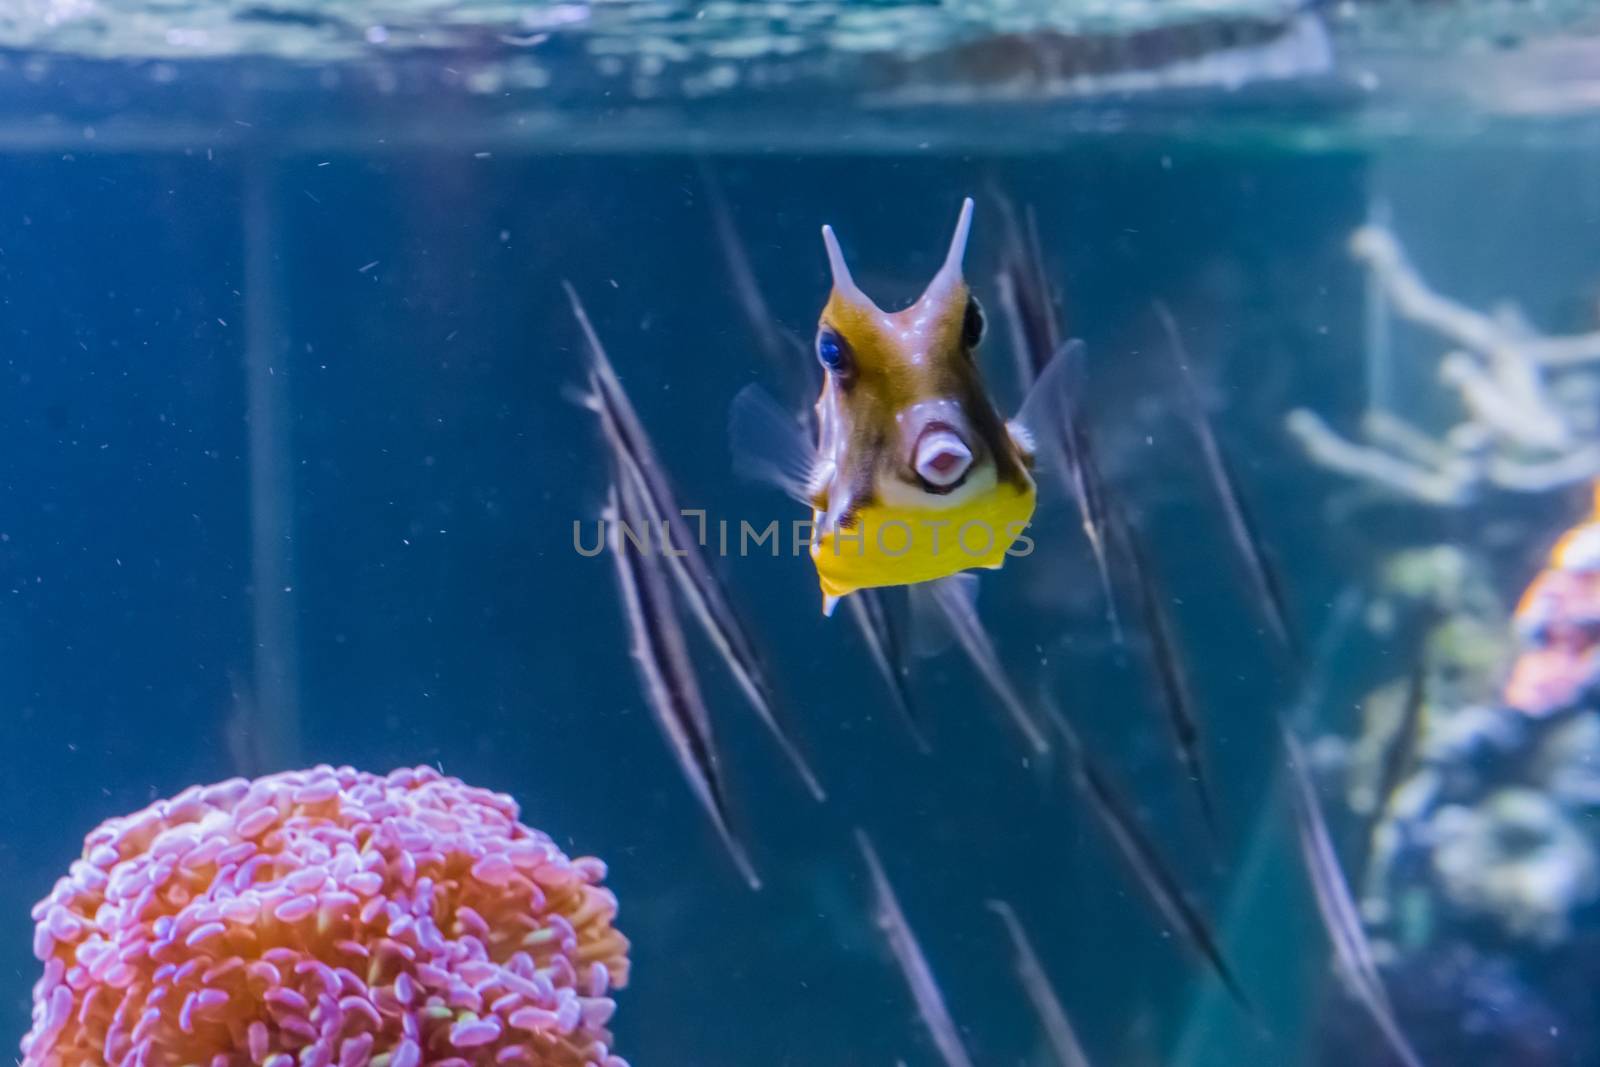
(1530, 402)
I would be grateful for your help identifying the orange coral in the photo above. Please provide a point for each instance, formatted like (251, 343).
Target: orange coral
(326, 917)
(1558, 625)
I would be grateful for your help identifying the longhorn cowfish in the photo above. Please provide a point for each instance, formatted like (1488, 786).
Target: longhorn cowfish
(913, 475)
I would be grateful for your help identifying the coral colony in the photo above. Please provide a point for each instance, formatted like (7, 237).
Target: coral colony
(1559, 650)
(326, 917)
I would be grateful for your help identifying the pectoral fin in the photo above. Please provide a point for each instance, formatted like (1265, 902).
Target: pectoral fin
(1045, 417)
(769, 445)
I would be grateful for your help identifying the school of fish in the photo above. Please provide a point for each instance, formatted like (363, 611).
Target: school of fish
(913, 479)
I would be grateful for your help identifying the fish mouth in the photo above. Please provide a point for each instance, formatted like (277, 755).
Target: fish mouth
(940, 458)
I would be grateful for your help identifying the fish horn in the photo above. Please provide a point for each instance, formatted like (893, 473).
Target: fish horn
(949, 277)
(843, 284)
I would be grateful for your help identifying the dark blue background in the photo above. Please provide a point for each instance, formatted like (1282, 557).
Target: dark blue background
(443, 616)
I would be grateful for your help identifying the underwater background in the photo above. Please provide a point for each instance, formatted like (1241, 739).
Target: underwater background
(291, 463)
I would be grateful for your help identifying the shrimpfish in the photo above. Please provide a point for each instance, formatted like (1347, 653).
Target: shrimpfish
(914, 475)
(913, 964)
(1353, 956)
(1058, 1029)
(1147, 863)
(634, 459)
(1258, 563)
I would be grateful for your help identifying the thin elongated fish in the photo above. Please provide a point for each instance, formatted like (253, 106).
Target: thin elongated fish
(1058, 1028)
(1026, 294)
(1073, 457)
(1241, 525)
(1145, 861)
(687, 563)
(786, 353)
(913, 964)
(1401, 752)
(1036, 340)
(670, 686)
(1352, 952)
(1176, 698)
(914, 476)
(955, 598)
(1082, 471)
(882, 636)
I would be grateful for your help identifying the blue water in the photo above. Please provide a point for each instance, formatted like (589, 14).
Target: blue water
(424, 467)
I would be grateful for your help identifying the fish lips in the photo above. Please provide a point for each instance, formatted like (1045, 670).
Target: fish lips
(941, 458)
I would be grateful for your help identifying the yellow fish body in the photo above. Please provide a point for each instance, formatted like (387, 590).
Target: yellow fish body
(891, 545)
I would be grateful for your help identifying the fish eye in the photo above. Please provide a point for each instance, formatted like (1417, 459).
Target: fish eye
(831, 351)
(972, 324)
